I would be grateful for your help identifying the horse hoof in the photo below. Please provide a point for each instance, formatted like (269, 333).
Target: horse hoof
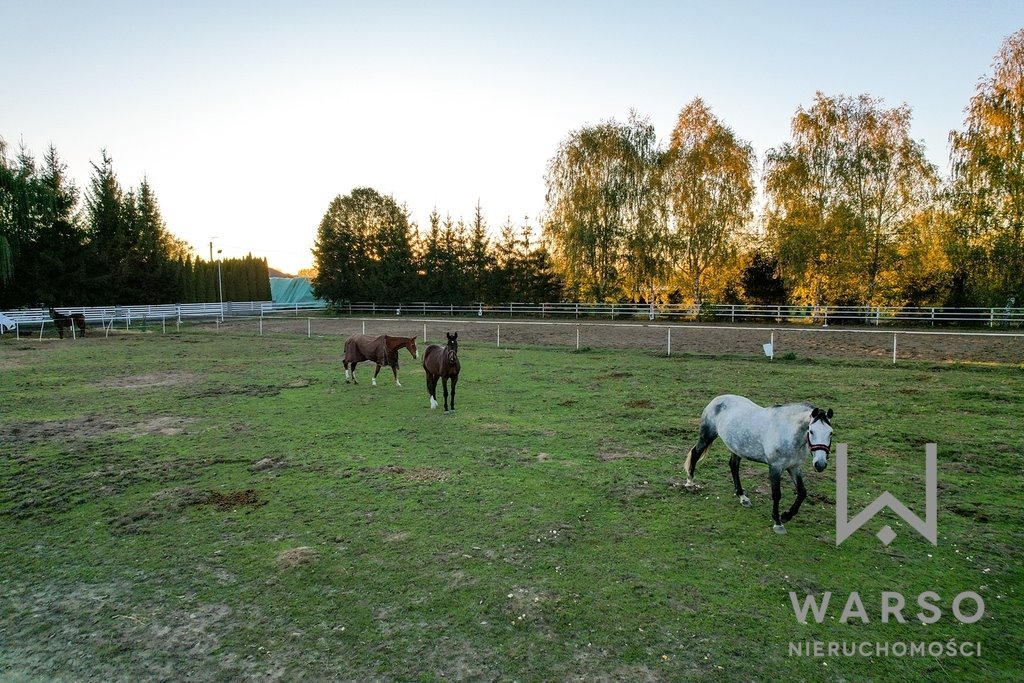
(745, 501)
(779, 529)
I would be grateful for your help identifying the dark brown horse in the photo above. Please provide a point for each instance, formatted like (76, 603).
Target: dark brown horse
(442, 363)
(62, 322)
(382, 350)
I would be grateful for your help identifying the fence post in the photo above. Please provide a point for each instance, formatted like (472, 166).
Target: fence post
(577, 337)
(992, 317)
(894, 348)
(499, 335)
(309, 328)
(670, 341)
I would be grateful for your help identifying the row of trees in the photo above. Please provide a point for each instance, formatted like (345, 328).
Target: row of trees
(368, 249)
(853, 211)
(110, 247)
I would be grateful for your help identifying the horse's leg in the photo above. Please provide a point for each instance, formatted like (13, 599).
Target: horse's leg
(394, 369)
(444, 387)
(707, 436)
(734, 465)
(455, 379)
(775, 476)
(432, 390)
(375, 374)
(801, 493)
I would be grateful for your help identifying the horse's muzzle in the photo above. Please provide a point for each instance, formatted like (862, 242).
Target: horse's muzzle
(820, 465)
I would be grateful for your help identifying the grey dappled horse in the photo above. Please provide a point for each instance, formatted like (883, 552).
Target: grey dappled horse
(782, 437)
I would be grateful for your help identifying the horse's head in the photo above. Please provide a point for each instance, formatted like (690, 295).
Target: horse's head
(411, 345)
(819, 437)
(451, 350)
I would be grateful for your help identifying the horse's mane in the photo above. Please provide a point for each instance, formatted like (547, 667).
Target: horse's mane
(794, 410)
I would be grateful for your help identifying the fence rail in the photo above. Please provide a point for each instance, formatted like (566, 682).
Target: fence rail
(732, 313)
(721, 313)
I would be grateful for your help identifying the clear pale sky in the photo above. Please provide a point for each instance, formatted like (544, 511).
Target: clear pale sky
(248, 118)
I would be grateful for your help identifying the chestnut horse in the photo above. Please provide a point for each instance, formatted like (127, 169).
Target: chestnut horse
(382, 350)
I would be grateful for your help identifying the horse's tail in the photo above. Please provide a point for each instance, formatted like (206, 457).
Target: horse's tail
(708, 434)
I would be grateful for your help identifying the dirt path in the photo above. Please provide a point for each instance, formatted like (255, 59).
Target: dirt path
(923, 344)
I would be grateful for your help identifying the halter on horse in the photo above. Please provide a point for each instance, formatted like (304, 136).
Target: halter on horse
(63, 321)
(442, 363)
(782, 437)
(382, 350)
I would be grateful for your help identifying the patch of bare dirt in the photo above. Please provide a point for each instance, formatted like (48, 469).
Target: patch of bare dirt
(420, 475)
(155, 379)
(92, 426)
(296, 557)
(622, 454)
(163, 425)
(642, 404)
(256, 390)
(57, 630)
(232, 500)
(266, 465)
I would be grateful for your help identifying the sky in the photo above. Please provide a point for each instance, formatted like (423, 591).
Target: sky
(248, 118)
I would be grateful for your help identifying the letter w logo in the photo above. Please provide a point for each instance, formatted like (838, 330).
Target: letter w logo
(929, 528)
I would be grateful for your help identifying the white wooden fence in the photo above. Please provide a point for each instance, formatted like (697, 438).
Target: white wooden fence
(33, 319)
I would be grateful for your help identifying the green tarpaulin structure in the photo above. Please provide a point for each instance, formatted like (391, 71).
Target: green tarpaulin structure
(291, 290)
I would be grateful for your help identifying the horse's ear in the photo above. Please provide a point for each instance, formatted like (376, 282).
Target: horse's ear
(814, 414)
(829, 414)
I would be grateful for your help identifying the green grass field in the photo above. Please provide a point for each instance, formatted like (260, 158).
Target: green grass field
(222, 507)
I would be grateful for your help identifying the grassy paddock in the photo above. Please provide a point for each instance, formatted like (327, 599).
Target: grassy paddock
(221, 507)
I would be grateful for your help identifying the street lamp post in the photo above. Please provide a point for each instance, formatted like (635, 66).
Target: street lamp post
(220, 285)
(220, 279)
